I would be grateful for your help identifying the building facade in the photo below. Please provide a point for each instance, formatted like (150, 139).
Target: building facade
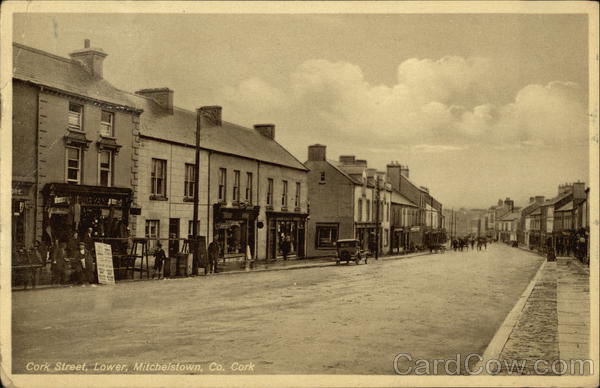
(74, 141)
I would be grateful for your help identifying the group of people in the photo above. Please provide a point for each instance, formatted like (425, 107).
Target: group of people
(463, 243)
(210, 266)
(75, 257)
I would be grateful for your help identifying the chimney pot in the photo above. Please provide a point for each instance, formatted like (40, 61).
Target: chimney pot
(267, 130)
(86, 43)
(90, 58)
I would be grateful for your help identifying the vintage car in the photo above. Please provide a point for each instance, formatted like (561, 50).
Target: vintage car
(349, 250)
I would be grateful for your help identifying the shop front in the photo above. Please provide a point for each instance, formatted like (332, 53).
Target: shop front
(366, 234)
(22, 216)
(72, 208)
(286, 231)
(415, 238)
(234, 230)
(400, 240)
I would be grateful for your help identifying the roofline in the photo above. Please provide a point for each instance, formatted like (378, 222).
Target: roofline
(46, 53)
(187, 145)
(76, 95)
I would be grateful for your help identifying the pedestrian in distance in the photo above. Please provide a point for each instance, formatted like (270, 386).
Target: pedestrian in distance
(285, 247)
(81, 265)
(57, 262)
(472, 243)
(213, 256)
(159, 260)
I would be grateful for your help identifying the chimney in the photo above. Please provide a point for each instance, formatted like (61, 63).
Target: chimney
(347, 159)
(531, 199)
(267, 130)
(210, 116)
(90, 58)
(162, 96)
(360, 162)
(404, 171)
(565, 189)
(500, 202)
(539, 199)
(317, 152)
(393, 172)
(579, 190)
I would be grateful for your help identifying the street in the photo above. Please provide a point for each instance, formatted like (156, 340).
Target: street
(343, 319)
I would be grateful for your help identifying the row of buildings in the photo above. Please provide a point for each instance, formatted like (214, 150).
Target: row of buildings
(88, 155)
(559, 222)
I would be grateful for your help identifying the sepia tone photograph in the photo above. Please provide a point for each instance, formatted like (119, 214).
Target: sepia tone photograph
(299, 194)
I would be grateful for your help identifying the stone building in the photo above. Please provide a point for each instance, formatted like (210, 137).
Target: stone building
(252, 191)
(343, 203)
(74, 140)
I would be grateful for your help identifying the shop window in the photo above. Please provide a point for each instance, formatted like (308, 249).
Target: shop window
(236, 185)
(190, 180)
(284, 194)
(360, 209)
(232, 237)
(75, 117)
(222, 195)
(107, 124)
(297, 198)
(152, 232)
(105, 168)
(249, 187)
(269, 192)
(159, 177)
(327, 235)
(73, 165)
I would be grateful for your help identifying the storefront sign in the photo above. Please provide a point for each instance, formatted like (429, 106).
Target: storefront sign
(104, 264)
(60, 199)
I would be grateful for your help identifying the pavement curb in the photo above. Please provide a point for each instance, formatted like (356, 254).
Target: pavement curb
(496, 345)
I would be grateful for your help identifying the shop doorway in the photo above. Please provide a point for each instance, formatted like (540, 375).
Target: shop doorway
(174, 226)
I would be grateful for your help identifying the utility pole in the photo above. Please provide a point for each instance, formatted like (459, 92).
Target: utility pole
(195, 231)
(377, 217)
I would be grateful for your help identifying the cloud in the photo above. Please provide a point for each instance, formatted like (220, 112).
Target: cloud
(435, 105)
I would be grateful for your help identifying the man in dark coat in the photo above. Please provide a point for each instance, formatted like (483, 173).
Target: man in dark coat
(84, 265)
(285, 247)
(213, 257)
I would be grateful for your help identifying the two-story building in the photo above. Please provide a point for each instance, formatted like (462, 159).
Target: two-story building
(553, 210)
(343, 203)
(404, 218)
(252, 191)
(74, 141)
(525, 223)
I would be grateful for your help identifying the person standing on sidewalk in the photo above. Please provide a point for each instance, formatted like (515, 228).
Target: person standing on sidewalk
(213, 257)
(159, 259)
(285, 247)
(84, 265)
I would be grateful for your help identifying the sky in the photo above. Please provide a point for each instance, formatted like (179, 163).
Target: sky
(479, 106)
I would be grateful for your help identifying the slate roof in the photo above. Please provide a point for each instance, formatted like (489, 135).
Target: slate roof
(511, 216)
(402, 200)
(42, 68)
(566, 207)
(53, 71)
(342, 171)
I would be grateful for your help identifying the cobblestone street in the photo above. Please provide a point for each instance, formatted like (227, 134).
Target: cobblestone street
(343, 319)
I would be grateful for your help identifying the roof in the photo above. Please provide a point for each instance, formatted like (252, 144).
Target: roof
(402, 200)
(229, 138)
(566, 207)
(42, 68)
(537, 211)
(64, 74)
(556, 199)
(511, 216)
(342, 171)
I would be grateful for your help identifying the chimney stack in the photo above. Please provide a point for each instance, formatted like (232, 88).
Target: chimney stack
(267, 130)
(347, 159)
(531, 199)
(90, 58)
(162, 96)
(404, 171)
(317, 152)
(579, 190)
(210, 116)
(539, 199)
(360, 162)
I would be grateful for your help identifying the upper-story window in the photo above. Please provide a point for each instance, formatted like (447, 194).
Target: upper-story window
(360, 210)
(269, 192)
(73, 165)
(107, 124)
(322, 177)
(368, 211)
(249, 187)
(75, 116)
(222, 185)
(284, 194)
(190, 180)
(236, 185)
(105, 168)
(159, 177)
(297, 198)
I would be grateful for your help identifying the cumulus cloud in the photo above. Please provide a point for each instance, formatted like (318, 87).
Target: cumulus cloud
(435, 105)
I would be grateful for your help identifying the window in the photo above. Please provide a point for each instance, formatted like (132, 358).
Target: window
(297, 198)
(368, 210)
(152, 231)
(107, 123)
(269, 192)
(159, 177)
(327, 235)
(190, 180)
(191, 227)
(73, 165)
(284, 194)
(360, 209)
(249, 187)
(75, 116)
(105, 162)
(322, 177)
(236, 185)
(222, 185)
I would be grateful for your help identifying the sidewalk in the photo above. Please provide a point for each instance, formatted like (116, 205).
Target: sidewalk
(554, 323)
(261, 266)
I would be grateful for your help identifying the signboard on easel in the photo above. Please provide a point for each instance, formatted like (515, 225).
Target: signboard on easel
(104, 263)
